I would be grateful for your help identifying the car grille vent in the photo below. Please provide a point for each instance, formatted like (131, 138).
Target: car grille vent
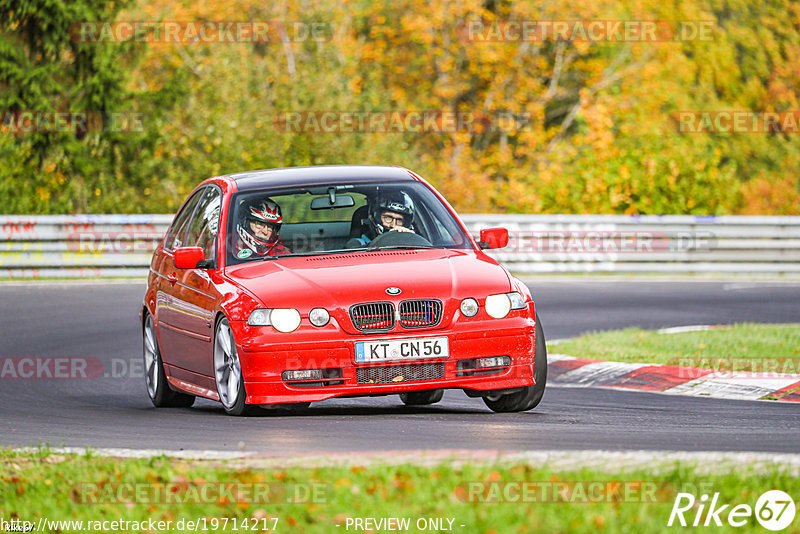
(330, 257)
(373, 316)
(400, 373)
(419, 313)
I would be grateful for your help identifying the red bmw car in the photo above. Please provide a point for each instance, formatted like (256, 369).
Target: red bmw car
(278, 288)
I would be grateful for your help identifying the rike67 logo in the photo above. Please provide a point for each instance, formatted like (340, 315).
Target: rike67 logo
(774, 511)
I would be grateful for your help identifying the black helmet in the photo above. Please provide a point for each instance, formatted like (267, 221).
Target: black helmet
(394, 201)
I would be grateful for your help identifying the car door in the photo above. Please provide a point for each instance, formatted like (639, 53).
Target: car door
(167, 278)
(194, 295)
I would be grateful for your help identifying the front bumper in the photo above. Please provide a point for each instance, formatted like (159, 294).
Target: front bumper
(266, 354)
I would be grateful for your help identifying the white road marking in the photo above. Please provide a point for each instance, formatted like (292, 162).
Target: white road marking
(735, 385)
(688, 328)
(756, 285)
(599, 372)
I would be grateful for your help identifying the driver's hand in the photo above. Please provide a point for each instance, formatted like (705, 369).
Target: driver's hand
(402, 229)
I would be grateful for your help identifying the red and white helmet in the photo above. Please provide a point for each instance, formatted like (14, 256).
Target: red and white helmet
(264, 211)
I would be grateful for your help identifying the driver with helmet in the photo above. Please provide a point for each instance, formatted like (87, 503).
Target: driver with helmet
(392, 212)
(258, 228)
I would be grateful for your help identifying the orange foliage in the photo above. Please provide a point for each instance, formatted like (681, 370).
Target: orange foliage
(762, 196)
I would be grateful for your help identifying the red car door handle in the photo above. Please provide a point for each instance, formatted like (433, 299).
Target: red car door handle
(172, 278)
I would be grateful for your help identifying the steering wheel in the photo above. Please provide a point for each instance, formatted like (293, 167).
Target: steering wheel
(398, 239)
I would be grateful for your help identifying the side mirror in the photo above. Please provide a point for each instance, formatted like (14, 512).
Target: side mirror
(493, 238)
(188, 257)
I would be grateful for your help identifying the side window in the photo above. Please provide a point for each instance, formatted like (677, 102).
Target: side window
(205, 223)
(442, 234)
(438, 226)
(177, 232)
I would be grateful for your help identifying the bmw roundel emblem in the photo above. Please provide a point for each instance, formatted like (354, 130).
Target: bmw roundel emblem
(393, 290)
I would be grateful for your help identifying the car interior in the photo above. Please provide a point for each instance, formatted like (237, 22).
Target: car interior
(326, 218)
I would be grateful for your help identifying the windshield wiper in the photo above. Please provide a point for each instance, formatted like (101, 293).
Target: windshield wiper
(345, 251)
(401, 247)
(313, 253)
(288, 255)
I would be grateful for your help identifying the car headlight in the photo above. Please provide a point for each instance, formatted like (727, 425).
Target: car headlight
(285, 319)
(282, 319)
(469, 307)
(319, 316)
(498, 306)
(517, 300)
(259, 318)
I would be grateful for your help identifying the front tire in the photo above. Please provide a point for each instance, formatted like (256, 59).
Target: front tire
(421, 398)
(529, 397)
(228, 371)
(155, 378)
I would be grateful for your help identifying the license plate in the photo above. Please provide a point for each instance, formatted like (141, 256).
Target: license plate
(401, 349)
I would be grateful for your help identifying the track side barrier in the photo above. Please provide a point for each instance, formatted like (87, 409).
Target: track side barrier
(102, 246)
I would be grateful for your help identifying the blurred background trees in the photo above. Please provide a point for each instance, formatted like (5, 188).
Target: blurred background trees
(573, 127)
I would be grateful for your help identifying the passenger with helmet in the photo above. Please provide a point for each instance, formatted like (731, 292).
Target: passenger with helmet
(391, 212)
(258, 229)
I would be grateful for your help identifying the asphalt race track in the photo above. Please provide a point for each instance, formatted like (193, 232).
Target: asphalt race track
(100, 321)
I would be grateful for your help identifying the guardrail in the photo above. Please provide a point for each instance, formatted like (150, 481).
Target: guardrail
(79, 246)
(100, 246)
(647, 243)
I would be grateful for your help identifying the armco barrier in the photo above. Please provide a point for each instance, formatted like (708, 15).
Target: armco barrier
(101, 246)
(647, 243)
(79, 246)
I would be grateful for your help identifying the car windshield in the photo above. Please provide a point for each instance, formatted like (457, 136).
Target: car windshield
(336, 219)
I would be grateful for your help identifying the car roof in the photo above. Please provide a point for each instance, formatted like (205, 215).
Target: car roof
(320, 175)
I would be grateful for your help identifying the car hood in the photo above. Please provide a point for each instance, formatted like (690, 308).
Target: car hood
(340, 280)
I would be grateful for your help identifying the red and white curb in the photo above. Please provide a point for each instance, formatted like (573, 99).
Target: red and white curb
(569, 371)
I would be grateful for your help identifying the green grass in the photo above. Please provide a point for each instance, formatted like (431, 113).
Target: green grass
(741, 347)
(57, 486)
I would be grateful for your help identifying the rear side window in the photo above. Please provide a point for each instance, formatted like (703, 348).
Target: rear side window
(205, 223)
(177, 232)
